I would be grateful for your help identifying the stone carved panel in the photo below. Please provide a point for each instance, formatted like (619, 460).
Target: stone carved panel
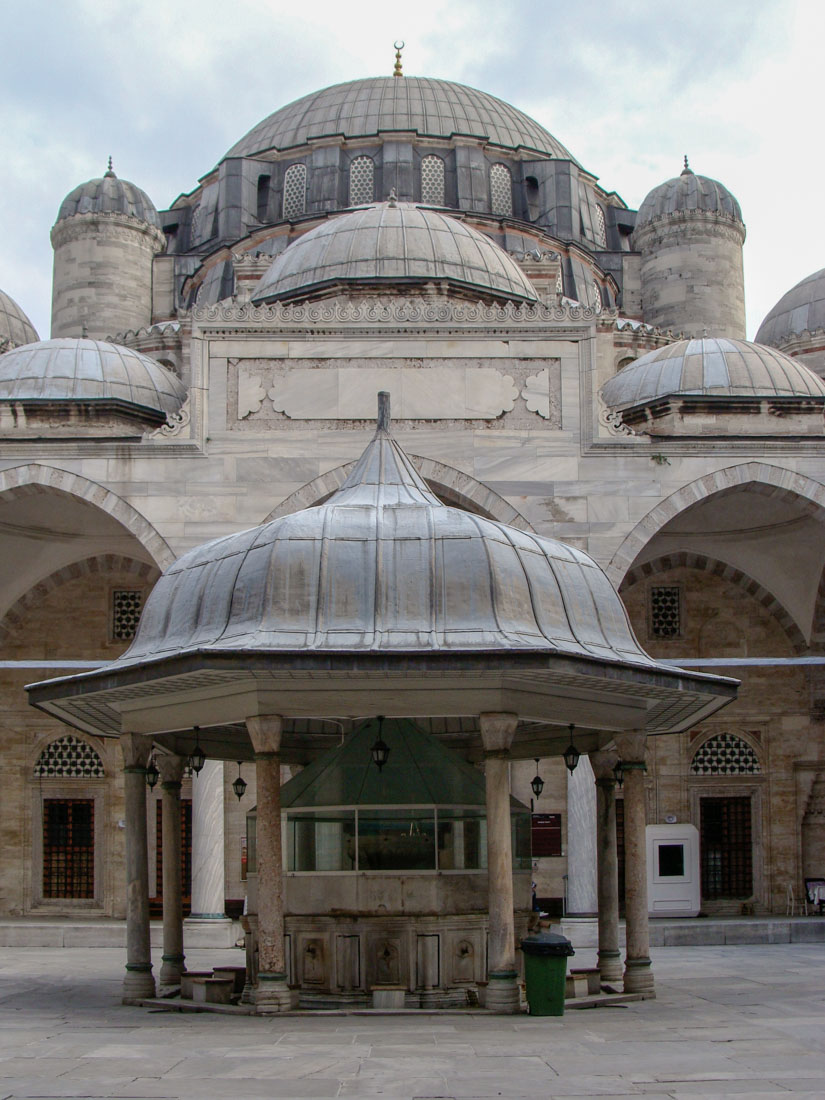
(385, 963)
(273, 390)
(313, 962)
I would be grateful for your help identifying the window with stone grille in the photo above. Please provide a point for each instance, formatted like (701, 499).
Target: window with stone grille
(361, 181)
(295, 191)
(599, 229)
(127, 604)
(597, 297)
(432, 181)
(501, 190)
(725, 754)
(665, 611)
(68, 848)
(69, 758)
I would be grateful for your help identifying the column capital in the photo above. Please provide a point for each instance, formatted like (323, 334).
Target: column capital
(170, 766)
(265, 732)
(498, 728)
(603, 761)
(135, 748)
(631, 746)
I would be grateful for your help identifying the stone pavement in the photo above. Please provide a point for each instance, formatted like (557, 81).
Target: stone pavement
(728, 1021)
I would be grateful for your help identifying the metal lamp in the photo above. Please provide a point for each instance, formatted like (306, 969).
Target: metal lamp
(239, 785)
(571, 753)
(380, 750)
(198, 757)
(152, 773)
(618, 772)
(537, 783)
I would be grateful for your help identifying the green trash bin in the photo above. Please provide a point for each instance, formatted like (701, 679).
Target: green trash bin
(545, 972)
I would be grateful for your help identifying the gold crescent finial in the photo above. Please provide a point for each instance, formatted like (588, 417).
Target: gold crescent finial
(398, 46)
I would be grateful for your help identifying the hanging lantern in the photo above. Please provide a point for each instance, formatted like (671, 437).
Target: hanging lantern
(537, 783)
(152, 773)
(239, 785)
(618, 772)
(571, 753)
(380, 750)
(198, 757)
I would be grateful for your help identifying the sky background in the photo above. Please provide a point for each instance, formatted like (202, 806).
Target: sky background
(167, 87)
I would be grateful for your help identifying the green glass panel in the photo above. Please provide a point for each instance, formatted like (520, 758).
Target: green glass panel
(321, 841)
(396, 840)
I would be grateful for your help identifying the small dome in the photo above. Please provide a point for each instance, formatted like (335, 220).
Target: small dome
(394, 243)
(711, 367)
(15, 327)
(430, 108)
(384, 566)
(110, 195)
(802, 309)
(88, 370)
(687, 193)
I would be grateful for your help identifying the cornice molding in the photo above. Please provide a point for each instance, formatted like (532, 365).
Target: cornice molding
(109, 226)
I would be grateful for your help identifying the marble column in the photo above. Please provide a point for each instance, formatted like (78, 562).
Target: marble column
(272, 994)
(638, 975)
(582, 898)
(138, 982)
(208, 844)
(609, 957)
(497, 732)
(171, 772)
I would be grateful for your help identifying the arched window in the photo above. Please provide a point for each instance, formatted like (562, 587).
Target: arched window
(531, 195)
(501, 190)
(725, 754)
(599, 229)
(432, 181)
(597, 297)
(295, 191)
(361, 181)
(263, 198)
(69, 758)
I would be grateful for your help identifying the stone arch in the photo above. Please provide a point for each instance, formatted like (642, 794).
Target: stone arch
(689, 560)
(449, 484)
(100, 563)
(68, 755)
(35, 477)
(736, 754)
(759, 476)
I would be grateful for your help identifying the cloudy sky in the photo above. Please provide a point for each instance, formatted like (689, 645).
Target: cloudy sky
(629, 87)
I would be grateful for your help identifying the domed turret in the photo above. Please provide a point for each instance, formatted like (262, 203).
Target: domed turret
(105, 237)
(394, 243)
(15, 327)
(797, 322)
(690, 233)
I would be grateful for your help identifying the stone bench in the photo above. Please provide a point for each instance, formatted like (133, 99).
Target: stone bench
(213, 991)
(388, 996)
(593, 976)
(576, 985)
(186, 980)
(237, 973)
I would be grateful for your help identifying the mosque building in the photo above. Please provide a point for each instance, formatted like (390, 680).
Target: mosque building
(575, 413)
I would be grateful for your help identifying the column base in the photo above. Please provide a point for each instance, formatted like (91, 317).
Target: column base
(272, 995)
(171, 970)
(208, 931)
(638, 978)
(503, 992)
(138, 984)
(610, 966)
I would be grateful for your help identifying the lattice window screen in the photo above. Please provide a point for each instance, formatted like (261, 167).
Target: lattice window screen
(295, 191)
(432, 181)
(597, 297)
(599, 229)
(127, 604)
(665, 611)
(725, 754)
(501, 190)
(69, 758)
(560, 282)
(361, 181)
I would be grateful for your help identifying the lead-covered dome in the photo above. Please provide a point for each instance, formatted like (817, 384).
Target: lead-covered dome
(15, 327)
(801, 310)
(427, 107)
(394, 243)
(711, 367)
(688, 193)
(89, 371)
(110, 195)
(384, 566)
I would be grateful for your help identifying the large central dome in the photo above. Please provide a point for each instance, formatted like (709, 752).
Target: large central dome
(429, 108)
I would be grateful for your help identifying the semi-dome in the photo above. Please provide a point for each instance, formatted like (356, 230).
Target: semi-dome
(711, 367)
(15, 327)
(427, 107)
(88, 371)
(802, 309)
(394, 243)
(384, 566)
(688, 193)
(110, 195)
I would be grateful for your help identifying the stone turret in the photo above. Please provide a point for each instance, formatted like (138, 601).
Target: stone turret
(105, 238)
(690, 233)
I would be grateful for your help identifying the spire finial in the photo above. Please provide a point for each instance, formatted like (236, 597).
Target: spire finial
(392, 198)
(398, 46)
(383, 421)
(687, 170)
(110, 174)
